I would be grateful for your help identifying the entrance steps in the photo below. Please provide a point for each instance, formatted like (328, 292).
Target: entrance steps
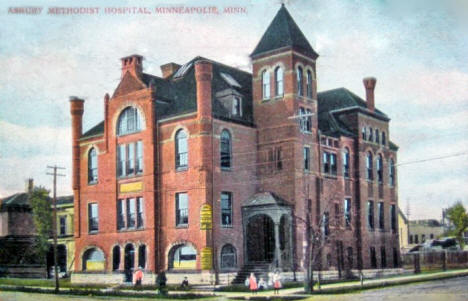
(260, 269)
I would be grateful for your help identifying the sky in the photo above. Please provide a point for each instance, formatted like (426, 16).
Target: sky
(416, 49)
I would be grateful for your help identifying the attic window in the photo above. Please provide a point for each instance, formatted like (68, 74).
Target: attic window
(237, 106)
(182, 70)
(230, 80)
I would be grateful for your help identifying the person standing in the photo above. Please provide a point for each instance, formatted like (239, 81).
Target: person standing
(253, 283)
(138, 277)
(277, 282)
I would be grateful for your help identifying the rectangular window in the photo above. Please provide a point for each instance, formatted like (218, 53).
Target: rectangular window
(306, 158)
(346, 164)
(279, 159)
(181, 209)
(383, 257)
(347, 212)
(370, 214)
(140, 218)
(381, 215)
(423, 238)
(130, 158)
(337, 215)
(120, 214)
(121, 158)
(393, 218)
(131, 213)
(373, 258)
(416, 239)
(411, 239)
(63, 225)
(326, 224)
(139, 153)
(309, 121)
(236, 106)
(93, 217)
(226, 209)
(333, 164)
(431, 236)
(326, 165)
(303, 119)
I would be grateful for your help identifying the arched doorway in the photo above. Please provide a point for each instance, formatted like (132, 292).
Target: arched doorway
(129, 263)
(260, 238)
(93, 260)
(182, 257)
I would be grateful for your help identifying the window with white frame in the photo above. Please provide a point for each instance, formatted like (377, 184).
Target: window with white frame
(130, 213)
(347, 212)
(299, 81)
(181, 149)
(279, 90)
(306, 158)
(130, 159)
(346, 162)
(92, 166)
(182, 203)
(237, 106)
(129, 121)
(309, 83)
(93, 217)
(266, 84)
(226, 209)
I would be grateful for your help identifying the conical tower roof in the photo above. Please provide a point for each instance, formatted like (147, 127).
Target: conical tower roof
(283, 32)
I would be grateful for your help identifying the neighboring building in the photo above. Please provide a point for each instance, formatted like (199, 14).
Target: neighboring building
(209, 168)
(403, 228)
(422, 230)
(65, 238)
(17, 237)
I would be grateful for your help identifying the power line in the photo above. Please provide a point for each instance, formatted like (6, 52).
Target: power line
(433, 159)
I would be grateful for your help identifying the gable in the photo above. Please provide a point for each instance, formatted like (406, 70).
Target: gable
(128, 84)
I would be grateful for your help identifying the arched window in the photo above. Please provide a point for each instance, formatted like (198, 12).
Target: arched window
(279, 81)
(129, 121)
(309, 84)
(369, 167)
(228, 257)
(183, 257)
(384, 139)
(391, 173)
(92, 166)
(226, 149)
(299, 80)
(93, 260)
(346, 162)
(142, 256)
(181, 149)
(115, 258)
(266, 84)
(380, 169)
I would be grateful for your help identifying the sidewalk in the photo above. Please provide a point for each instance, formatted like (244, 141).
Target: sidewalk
(290, 293)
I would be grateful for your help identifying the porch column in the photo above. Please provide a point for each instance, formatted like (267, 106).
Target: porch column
(277, 245)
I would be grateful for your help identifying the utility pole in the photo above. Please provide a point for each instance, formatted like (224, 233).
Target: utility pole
(54, 221)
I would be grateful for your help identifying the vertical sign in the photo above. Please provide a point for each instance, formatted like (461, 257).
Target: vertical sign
(206, 258)
(206, 217)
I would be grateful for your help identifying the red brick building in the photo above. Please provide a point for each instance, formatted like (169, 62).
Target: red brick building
(209, 168)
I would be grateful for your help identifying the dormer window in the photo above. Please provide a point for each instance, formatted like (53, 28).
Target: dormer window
(237, 106)
(129, 121)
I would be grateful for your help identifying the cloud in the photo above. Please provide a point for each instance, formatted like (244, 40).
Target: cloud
(26, 152)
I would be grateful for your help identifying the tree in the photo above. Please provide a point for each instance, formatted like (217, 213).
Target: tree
(42, 216)
(458, 217)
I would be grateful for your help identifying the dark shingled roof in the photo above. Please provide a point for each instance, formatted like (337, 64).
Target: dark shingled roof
(340, 99)
(283, 32)
(21, 200)
(177, 96)
(62, 200)
(98, 129)
(264, 199)
(17, 200)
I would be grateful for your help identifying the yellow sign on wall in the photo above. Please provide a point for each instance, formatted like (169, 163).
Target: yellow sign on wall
(131, 187)
(206, 217)
(206, 259)
(95, 265)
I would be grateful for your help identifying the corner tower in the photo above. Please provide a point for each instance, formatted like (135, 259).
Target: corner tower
(285, 112)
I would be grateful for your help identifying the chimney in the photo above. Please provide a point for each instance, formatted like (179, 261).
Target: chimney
(169, 69)
(29, 185)
(76, 110)
(369, 84)
(132, 64)
(203, 76)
